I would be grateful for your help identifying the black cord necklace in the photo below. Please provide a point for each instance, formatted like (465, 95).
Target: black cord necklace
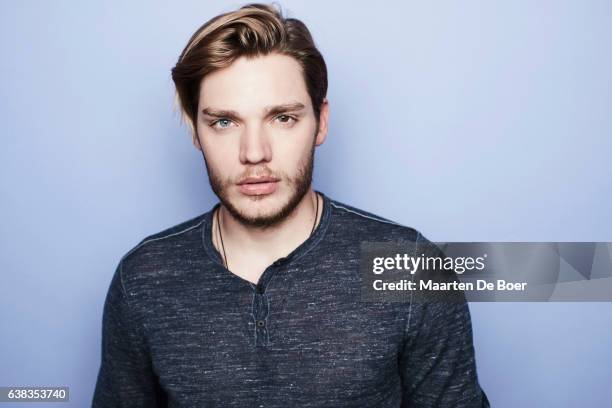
(314, 224)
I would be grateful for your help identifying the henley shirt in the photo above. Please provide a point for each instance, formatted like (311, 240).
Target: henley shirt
(181, 330)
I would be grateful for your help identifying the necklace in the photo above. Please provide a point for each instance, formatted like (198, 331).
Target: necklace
(314, 224)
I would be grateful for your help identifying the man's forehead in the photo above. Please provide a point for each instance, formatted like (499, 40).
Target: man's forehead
(255, 84)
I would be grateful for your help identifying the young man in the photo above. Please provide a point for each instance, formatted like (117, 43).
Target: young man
(256, 303)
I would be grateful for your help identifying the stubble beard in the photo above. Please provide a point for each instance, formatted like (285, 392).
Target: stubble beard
(299, 186)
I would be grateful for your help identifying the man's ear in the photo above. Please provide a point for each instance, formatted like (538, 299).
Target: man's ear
(195, 140)
(323, 121)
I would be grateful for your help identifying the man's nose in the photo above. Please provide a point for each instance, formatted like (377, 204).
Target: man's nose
(255, 145)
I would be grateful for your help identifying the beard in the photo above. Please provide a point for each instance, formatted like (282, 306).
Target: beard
(299, 185)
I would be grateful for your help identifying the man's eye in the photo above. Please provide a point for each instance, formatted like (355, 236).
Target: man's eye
(286, 119)
(222, 123)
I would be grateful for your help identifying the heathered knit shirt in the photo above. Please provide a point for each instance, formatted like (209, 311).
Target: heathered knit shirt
(180, 330)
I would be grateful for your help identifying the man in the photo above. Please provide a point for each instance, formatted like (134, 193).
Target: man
(256, 302)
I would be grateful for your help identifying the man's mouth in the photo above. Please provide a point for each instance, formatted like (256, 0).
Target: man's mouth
(256, 186)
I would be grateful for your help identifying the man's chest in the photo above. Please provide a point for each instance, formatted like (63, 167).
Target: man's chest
(308, 342)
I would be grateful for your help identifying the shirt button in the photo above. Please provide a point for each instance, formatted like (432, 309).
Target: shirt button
(261, 323)
(259, 289)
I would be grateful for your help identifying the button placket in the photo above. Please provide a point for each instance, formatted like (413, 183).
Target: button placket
(260, 314)
(261, 306)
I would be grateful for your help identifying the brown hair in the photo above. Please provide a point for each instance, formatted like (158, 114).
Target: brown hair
(254, 29)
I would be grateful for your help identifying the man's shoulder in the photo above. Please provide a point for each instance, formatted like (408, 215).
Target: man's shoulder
(357, 221)
(162, 243)
(159, 257)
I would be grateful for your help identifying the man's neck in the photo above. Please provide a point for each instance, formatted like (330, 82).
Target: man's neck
(250, 248)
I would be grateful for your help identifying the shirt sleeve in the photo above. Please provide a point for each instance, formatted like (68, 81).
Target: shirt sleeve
(126, 377)
(437, 362)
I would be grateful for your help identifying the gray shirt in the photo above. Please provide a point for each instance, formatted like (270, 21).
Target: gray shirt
(180, 330)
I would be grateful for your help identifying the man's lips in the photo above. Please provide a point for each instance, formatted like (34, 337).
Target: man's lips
(255, 180)
(256, 186)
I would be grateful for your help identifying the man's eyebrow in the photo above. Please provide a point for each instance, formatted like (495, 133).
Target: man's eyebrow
(270, 110)
(220, 113)
(287, 107)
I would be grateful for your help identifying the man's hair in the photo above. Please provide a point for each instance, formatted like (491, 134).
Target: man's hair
(253, 30)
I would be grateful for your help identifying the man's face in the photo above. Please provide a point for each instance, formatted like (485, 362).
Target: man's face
(257, 129)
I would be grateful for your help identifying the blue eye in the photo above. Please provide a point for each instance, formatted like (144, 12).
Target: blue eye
(223, 122)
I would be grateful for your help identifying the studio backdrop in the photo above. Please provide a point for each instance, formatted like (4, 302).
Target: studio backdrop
(469, 121)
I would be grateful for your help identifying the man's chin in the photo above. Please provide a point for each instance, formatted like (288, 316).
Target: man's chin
(258, 211)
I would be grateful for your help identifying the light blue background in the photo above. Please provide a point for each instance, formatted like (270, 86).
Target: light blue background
(468, 120)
